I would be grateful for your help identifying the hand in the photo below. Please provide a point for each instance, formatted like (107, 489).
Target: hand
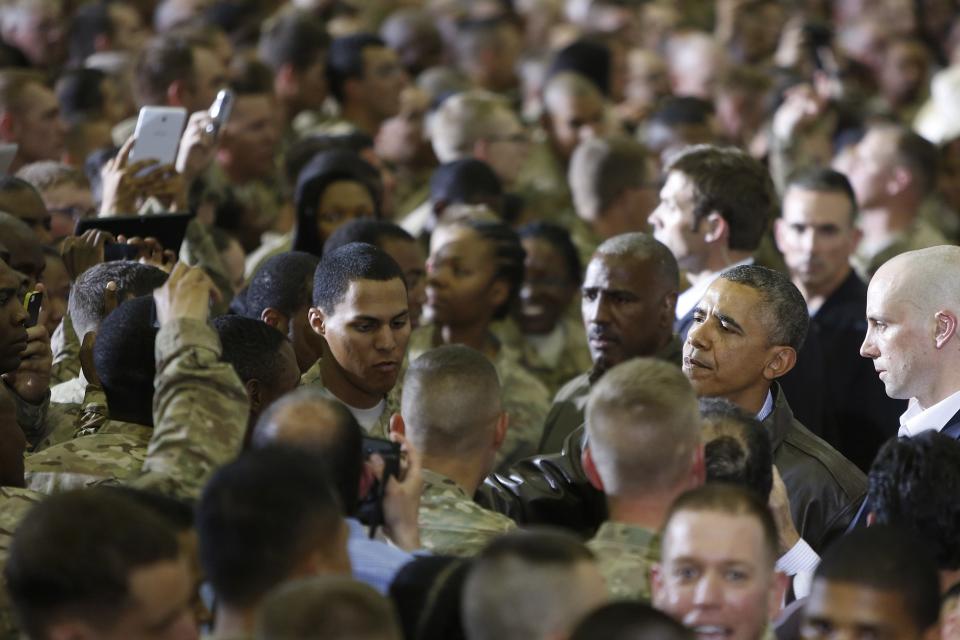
(79, 253)
(150, 251)
(780, 507)
(197, 147)
(31, 380)
(122, 187)
(185, 295)
(401, 501)
(802, 107)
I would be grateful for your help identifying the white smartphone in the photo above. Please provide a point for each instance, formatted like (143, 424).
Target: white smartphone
(158, 134)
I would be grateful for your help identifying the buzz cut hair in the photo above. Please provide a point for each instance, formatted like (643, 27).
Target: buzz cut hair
(786, 317)
(351, 262)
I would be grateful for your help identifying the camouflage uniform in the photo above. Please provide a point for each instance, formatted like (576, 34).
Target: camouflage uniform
(47, 423)
(14, 505)
(200, 414)
(273, 246)
(453, 524)
(625, 554)
(574, 358)
(525, 400)
(569, 405)
(379, 430)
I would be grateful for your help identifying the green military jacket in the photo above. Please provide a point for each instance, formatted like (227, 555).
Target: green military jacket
(625, 554)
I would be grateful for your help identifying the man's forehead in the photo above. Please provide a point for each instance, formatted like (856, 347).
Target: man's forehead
(733, 296)
(621, 271)
(374, 297)
(807, 205)
(714, 535)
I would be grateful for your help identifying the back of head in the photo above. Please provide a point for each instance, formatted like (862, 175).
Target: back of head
(329, 607)
(294, 38)
(80, 94)
(162, 61)
(308, 420)
(730, 182)
(16, 194)
(465, 181)
(345, 60)
(644, 427)
(88, 22)
(784, 309)
(643, 247)
(464, 119)
(301, 152)
(282, 283)
(884, 558)
(737, 449)
(588, 58)
(251, 347)
(260, 516)
(73, 555)
(13, 84)
(451, 402)
(48, 174)
(133, 280)
(375, 232)
(914, 483)
(630, 621)
(916, 153)
(354, 261)
(601, 170)
(124, 359)
(524, 586)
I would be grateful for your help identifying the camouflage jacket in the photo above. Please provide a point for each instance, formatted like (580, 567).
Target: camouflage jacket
(625, 553)
(14, 505)
(451, 523)
(574, 358)
(382, 428)
(525, 400)
(66, 352)
(200, 413)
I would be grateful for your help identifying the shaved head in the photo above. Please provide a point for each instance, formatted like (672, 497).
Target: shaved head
(913, 322)
(643, 425)
(451, 401)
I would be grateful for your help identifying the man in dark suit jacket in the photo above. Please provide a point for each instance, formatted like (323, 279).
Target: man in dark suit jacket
(913, 337)
(817, 235)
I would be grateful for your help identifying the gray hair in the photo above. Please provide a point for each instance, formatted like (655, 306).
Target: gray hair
(786, 318)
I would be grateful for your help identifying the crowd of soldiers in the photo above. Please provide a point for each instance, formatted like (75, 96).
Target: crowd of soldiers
(491, 319)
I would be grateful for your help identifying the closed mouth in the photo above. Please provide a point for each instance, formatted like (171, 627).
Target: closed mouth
(689, 361)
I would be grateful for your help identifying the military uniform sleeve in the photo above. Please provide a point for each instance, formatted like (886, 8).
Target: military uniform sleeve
(200, 411)
(198, 250)
(527, 403)
(66, 353)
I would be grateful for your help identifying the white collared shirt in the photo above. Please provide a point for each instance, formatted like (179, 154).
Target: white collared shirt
(915, 420)
(687, 300)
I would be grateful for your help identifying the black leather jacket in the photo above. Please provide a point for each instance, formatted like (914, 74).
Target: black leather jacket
(825, 489)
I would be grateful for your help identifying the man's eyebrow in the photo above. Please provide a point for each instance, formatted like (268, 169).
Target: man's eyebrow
(725, 319)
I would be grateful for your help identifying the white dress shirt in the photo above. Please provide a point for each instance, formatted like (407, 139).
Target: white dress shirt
(915, 420)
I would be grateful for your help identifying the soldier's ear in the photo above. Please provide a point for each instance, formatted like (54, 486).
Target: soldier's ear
(500, 431)
(317, 319)
(275, 319)
(590, 468)
(781, 361)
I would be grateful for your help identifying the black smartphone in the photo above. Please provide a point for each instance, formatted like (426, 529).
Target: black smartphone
(32, 302)
(371, 507)
(118, 251)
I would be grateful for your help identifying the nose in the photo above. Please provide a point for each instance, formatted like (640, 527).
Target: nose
(869, 347)
(654, 217)
(385, 339)
(699, 336)
(709, 591)
(595, 311)
(808, 240)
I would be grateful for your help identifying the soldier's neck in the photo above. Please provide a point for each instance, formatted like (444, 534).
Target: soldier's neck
(467, 475)
(648, 511)
(336, 383)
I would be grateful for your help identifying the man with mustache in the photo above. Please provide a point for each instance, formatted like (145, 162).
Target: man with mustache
(746, 332)
(817, 235)
(629, 293)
